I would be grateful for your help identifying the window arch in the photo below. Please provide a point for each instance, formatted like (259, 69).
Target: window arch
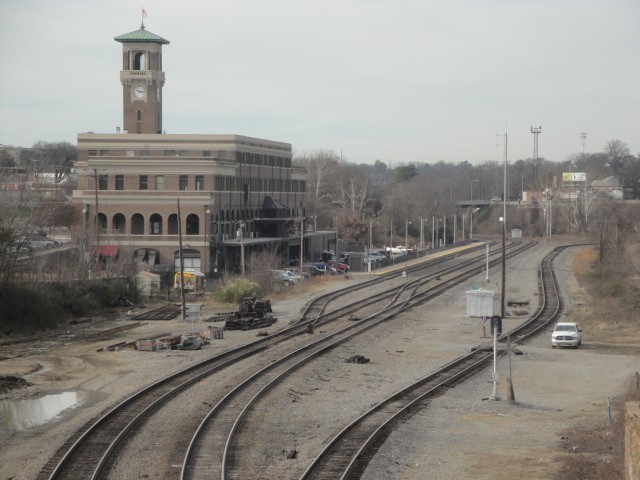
(102, 222)
(155, 224)
(172, 227)
(139, 61)
(119, 223)
(137, 224)
(193, 224)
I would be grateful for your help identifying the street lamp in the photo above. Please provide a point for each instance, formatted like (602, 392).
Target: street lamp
(406, 234)
(207, 212)
(241, 235)
(473, 210)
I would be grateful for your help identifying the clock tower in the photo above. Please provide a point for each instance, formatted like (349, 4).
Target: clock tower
(142, 80)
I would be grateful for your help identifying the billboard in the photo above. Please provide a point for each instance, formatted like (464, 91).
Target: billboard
(568, 177)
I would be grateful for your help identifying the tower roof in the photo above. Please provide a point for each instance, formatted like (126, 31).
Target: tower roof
(141, 35)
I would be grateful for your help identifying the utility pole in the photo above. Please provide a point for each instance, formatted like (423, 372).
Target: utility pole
(504, 232)
(536, 131)
(95, 214)
(444, 231)
(184, 306)
(301, 246)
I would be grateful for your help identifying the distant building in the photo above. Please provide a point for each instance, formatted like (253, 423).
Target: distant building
(609, 187)
(130, 183)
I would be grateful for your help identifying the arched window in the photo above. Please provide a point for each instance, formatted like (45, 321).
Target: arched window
(172, 227)
(102, 222)
(139, 61)
(155, 224)
(137, 224)
(193, 224)
(119, 223)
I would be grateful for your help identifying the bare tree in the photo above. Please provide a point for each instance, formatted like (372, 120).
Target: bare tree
(59, 157)
(322, 167)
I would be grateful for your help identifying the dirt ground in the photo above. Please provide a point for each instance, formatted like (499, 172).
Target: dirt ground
(557, 428)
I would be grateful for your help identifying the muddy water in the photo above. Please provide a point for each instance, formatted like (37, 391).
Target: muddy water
(17, 415)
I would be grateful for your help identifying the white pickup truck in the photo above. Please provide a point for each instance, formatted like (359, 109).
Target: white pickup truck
(399, 250)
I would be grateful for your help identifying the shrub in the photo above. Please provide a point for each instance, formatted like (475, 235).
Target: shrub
(25, 308)
(234, 290)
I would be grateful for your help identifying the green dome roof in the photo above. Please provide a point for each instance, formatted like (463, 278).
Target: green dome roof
(141, 35)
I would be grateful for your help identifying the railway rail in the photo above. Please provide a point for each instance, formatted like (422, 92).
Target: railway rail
(91, 452)
(347, 455)
(213, 451)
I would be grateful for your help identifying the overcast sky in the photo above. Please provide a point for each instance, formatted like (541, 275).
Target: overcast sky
(400, 81)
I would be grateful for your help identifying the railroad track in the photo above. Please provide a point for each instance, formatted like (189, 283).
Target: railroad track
(220, 438)
(347, 455)
(90, 453)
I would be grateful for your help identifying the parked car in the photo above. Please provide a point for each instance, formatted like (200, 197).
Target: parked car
(398, 250)
(41, 242)
(299, 273)
(374, 258)
(566, 334)
(324, 267)
(294, 262)
(21, 247)
(339, 266)
(313, 271)
(283, 277)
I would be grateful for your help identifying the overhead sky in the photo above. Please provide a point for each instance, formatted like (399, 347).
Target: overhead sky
(392, 80)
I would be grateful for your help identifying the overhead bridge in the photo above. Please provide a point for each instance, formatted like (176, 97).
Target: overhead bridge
(473, 203)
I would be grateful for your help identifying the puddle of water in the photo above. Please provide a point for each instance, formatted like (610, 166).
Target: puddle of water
(23, 414)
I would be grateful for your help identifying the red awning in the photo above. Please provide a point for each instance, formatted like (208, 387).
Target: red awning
(105, 250)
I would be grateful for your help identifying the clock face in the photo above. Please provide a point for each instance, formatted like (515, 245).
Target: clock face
(139, 91)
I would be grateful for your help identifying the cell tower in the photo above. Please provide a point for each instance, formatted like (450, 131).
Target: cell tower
(536, 131)
(583, 136)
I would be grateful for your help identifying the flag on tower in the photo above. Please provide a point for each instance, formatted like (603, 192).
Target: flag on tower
(144, 13)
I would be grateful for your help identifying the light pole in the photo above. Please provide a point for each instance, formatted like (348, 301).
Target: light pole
(241, 234)
(406, 234)
(433, 232)
(444, 231)
(471, 224)
(206, 239)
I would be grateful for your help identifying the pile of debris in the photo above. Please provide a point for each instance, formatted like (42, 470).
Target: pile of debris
(251, 314)
(357, 359)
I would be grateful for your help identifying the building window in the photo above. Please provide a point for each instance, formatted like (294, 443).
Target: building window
(103, 182)
(144, 182)
(199, 182)
(169, 153)
(119, 182)
(104, 153)
(144, 153)
(159, 182)
(182, 153)
(93, 153)
(184, 182)
(193, 225)
(206, 153)
(155, 224)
